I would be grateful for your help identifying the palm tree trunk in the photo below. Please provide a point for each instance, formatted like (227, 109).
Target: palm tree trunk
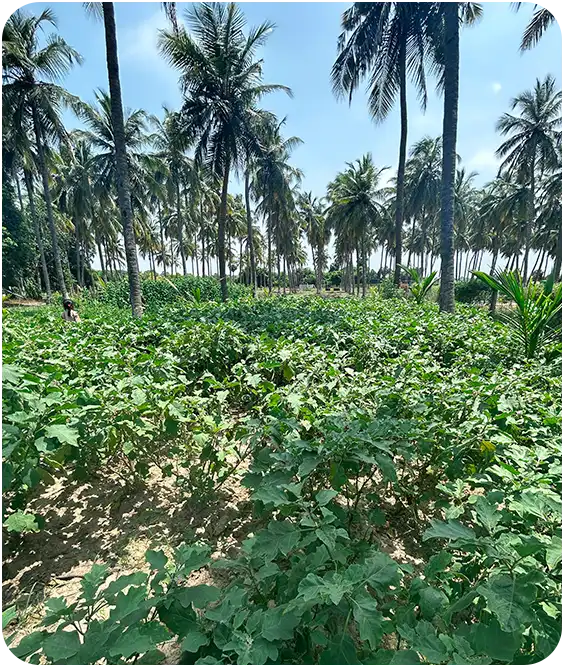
(221, 232)
(180, 221)
(77, 240)
(122, 169)
(202, 243)
(449, 138)
(37, 230)
(20, 198)
(250, 232)
(494, 295)
(364, 267)
(557, 258)
(539, 261)
(48, 202)
(399, 208)
(320, 258)
(531, 219)
(466, 264)
(101, 255)
(269, 230)
(381, 262)
(162, 245)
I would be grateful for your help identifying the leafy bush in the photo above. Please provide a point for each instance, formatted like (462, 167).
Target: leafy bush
(157, 293)
(472, 291)
(358, 422)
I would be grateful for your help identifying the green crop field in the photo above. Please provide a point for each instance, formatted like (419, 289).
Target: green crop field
(283, 480)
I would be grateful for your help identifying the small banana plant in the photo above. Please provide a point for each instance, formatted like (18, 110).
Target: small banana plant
(536, 319)
(420, 286)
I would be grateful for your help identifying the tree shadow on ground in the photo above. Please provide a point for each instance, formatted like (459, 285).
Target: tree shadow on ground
(104, 521)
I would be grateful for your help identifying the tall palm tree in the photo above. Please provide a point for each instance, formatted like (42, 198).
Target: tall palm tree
(122, 168)
(273, 179)
(317, 231)
(74, 195)
(355, 208)
(171, 143)
(445, 22)
(221, 80)
(539, 23)
(534, 142)
(423, 180)
(386, 41)
(33, 99)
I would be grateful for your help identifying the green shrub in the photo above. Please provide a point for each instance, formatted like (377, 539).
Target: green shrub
(157, 293)
(472, 291)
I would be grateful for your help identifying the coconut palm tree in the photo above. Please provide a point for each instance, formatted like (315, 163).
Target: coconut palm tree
(444, 28)
(423, 180)
(32, 97)
(221, 81)
(386, 41)
(171, 142)
(272, 183)
(74, 195)
(539, 23)
(534, 142)
(121, 163)
(355, 208)
(317, 230)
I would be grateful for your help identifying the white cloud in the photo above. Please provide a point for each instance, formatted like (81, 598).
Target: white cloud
(496, 87)
(484, 160)
(138, 45)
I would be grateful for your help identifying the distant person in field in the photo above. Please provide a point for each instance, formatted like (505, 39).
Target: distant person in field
(69, 314)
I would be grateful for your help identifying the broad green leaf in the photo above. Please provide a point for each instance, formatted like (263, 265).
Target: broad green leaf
(179, 619)
(450, 530)
(92, 581)
(20, 522)
(387, 467)
(57, 608)
(61, 645)
(381, 571)
(156, 559)
(279, 537)
(131, 606)
(325, 496)
(369, 620)
(424, 640)
(492, 641)
(432, 601)
(389, 657)
(194, 640)
(191, 558)
(487, 514)
(200, 596)
(270, 494)
(308, 465)
(437, 564)
(233, 601)
(279, 623)
(135, 579)
(208, 660)
(329, 534)
(510, 601)
(138, 639)
(63, 433)
(340, 651)
(553, 554)
(29, 644)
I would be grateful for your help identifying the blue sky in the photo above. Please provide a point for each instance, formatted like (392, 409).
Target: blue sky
(299, 54)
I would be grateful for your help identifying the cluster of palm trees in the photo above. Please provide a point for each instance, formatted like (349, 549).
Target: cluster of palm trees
(129, 182)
